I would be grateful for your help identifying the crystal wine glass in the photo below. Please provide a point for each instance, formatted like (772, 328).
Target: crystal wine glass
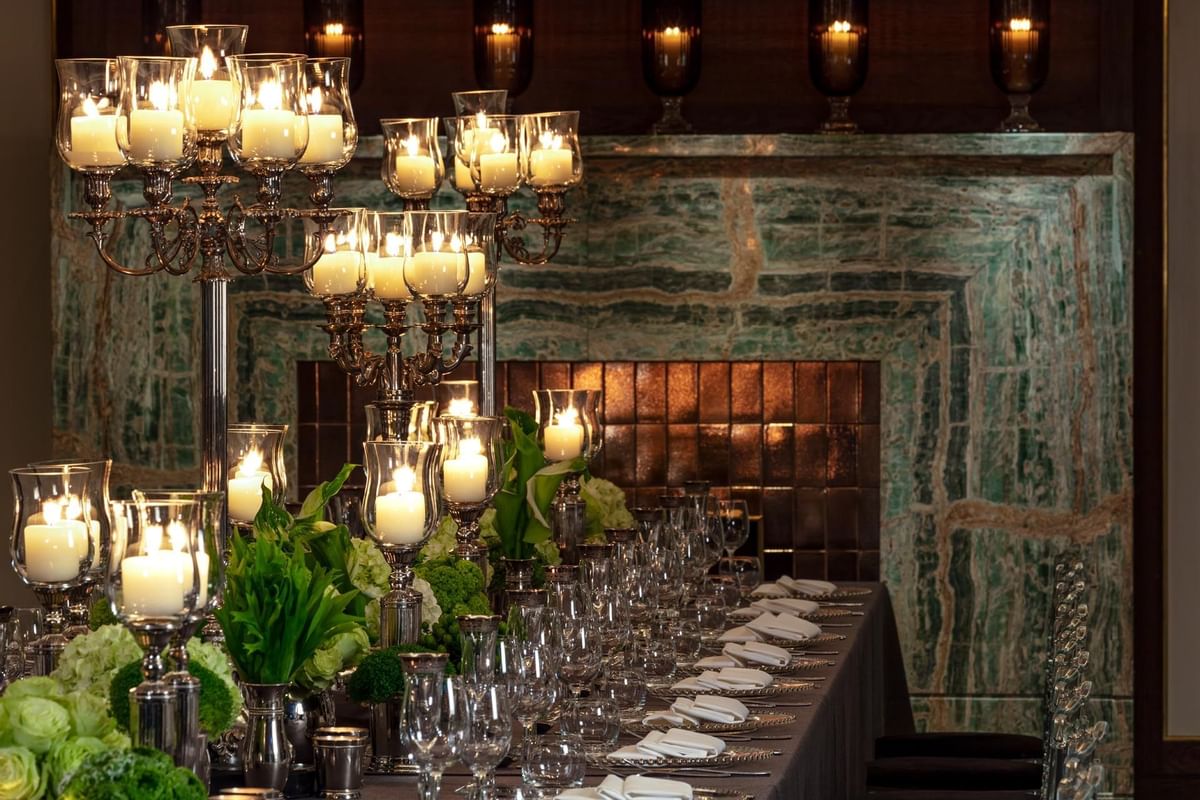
(435, 721)
(488, 734)
(734, 516)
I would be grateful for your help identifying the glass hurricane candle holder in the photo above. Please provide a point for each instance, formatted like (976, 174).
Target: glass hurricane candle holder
(837, 56)
(485, 101)
(154, 586)
(412, 164)
(157, 131)
(482, 262)
(388, 246)
(269, 131)
(568, 431)
(89, 95)
(1019, 40)
(335, 29)
(341, 270)
(255, 460)
(471, 464)
(439, 269)
(332, 131)
(457, 398)
(386, 422)
(490, 147)
(401, 508)
(51, 546)
(671, 57)
(553, 161)
(100, 524)
(504, 44)
(212, 98)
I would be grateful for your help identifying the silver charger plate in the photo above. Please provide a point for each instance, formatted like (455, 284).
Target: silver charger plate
(733, 754)
(388, 766)
(742, 617)
(754, 722)
(797, 664)
(785, 686)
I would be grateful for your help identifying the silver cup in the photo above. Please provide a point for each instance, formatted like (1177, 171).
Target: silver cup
(339, 753)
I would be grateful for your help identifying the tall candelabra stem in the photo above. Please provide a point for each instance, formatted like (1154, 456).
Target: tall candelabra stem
(487, 354)
(215, 292)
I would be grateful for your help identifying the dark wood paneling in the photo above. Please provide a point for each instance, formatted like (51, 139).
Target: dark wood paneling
(928, 62)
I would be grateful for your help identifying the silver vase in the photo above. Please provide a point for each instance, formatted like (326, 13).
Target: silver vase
(266, 751)
(303, 714)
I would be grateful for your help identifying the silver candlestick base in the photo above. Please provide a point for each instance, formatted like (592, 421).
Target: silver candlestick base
(400, 609)
(469, 546)
(568, 517)
(46, 649)
(154, 715)
(189, 752)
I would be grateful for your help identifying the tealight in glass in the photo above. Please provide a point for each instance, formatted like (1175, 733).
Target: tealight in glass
(550, 150)
(332, 131)
(212, 98)
(157, 130)
(1019, 37)
(255, 456)
(412, 164)
(89, 95)
(490, 147)
(482, 263)
(269, 131)
(341, 269)
(388, 248)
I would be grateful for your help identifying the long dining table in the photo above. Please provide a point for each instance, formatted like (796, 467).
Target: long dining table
(863, 694)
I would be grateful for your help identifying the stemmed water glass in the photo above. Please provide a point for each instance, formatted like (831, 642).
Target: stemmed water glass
(734, 516)
(581, 654)
(524, 667)
(487, 736)
(435, 721)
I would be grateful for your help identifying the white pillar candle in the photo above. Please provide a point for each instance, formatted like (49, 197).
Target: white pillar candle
(268, 134)
(462, 175)
(155, 135)
(325, 139)
(213, 103)
(388, 275)
(53, 551)
(564, 439)
(435, 272)
(476, 273)
(464, 479)
(154, 585)
(94, 139)
(400, 515)
(245, 488)
(550, 167)
(414, 169)
(337, 272)
(498, 172)
(202, 572)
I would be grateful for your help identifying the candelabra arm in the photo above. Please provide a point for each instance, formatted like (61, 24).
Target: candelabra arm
(551, 219)
(173, 254)
(252, 256)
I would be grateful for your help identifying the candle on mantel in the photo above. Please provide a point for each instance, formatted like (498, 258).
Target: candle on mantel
(54, 546)
(156, 133)
(413, 171)
(436, 271)
(551, 164)
(461, 407)
(268, 131)
(326, 143)
(503, 45)
(564, 439)
(1019, 45)
(671, 46)
(337, 270)
(333, 41)
(839, 51)
(94, 136)
(400, 513)
(464, 479)
(212, 99)
(498, 169)
(245, 488)
(387, 270)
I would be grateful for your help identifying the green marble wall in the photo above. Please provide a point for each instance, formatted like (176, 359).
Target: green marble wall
(991, 276)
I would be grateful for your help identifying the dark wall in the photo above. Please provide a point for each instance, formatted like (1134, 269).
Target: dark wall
(928, 61)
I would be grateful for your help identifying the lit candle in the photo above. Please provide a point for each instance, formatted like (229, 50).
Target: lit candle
(839, 49)
(436, 271)
(476, 266)
(156, 133)
(413, 171)
(461, 407)
(552, 164)
(245, 488)
(564, 439)
(94, 137)
(467, 139)
(671, 46)
(325, 133)
(464, 479)
(338, 269)
(498, 169)
(212, 99)
(55, 547)
(333, 41)
(1019, 45)
(503, 45)
(387, 272)
(400, 514)
(268, 131)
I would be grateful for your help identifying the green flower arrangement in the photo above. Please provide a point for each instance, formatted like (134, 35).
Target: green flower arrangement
(89, 662)
(125, 775)
(458, 588)
(606, 508)
(220, 702)
(380, 676)
(46, 733)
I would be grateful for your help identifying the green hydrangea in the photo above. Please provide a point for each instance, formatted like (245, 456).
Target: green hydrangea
(64, 759)
(442, 542)
(89, 662)
(37, 722)
(20, 778)
(368, 568)
(124, 775)
(344, 650)
(605, 503)
(214, 659)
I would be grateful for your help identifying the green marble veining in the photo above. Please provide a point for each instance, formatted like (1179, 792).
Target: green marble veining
(990, 275)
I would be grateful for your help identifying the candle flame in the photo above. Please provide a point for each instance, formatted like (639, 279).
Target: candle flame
(270, 96)
(52, 512)
(456, 245)
(405, 479)
(470, 447)
(840, 26)
(90, 109)
(251, 464)
(435, 239)
(330, 243)
(72, 508)
(501, 28)
(334, 29)
(208, 64)
(178, 536)
(413, 145)
(161, 96)
(549, 140)
(315, 100)
(1020, 24)
(498, 143)
(396, 245)
(672, 30)
(461, 407)
(568, 416)
(152, 542)
(481, 120)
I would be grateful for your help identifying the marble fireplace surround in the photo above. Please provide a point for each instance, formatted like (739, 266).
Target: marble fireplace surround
(990, 275)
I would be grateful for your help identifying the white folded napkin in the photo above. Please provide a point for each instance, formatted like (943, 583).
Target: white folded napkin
(711, 708)
(580, 793)
(808, 587)
(756, 653)
(749, 612)
(727, 678)
(770, 590)
(639, 787)
(678, 743)
(786, 605)
(740, 634)
(669, 717)
(718, 662)
(784, 626)
(612, 788)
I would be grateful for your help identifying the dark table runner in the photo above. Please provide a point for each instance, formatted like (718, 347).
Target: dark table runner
(864, 695)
